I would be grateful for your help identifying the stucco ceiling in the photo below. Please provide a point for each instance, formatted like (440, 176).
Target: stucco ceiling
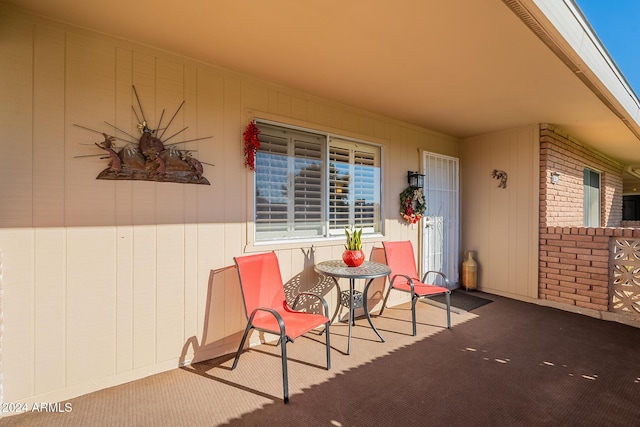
(462, 68)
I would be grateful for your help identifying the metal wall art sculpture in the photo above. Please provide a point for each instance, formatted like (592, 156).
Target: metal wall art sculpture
(502, 176)
(150, 158)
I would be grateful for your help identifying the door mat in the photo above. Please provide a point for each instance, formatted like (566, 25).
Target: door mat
(460, 301)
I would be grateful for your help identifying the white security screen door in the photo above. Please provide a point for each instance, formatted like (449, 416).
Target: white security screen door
(441, 224)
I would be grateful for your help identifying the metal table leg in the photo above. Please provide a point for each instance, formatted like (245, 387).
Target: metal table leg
(335, 313)
(352, 319)
(365, 303)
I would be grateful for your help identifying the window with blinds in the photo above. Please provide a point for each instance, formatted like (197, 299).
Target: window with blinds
(354, 186)
(591, 198)
(301, 195)
(289, 195)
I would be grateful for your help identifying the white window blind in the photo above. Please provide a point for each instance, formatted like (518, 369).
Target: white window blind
(289, 196)
(301, 195)
(354, 186)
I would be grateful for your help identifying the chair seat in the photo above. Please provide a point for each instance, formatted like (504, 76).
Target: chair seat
(296, 323)
(263, 296)
(402, 262)
(420, 289)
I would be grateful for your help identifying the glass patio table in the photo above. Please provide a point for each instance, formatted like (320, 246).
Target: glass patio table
(353, 299)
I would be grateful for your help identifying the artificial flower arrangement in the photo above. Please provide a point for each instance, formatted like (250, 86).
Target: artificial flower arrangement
(412, 204)
(354, 238)
(251, 145)
(353, 255)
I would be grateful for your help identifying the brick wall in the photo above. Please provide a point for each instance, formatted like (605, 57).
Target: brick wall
(574, 260)
(561, 204)
(574, 264)
(630, 224)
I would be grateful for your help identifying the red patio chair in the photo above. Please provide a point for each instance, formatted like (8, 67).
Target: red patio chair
(267, 309)
(404, 277)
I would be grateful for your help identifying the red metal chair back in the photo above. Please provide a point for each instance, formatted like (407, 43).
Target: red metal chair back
(401, 260)
(261, 281)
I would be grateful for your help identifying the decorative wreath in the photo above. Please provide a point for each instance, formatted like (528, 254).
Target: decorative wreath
(251, 145)
(412, 204)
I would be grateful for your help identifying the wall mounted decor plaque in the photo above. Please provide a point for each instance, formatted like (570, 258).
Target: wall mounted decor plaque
(151, 157)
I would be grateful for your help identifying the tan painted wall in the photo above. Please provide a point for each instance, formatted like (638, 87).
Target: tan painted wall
(501, 225)
(108, 281)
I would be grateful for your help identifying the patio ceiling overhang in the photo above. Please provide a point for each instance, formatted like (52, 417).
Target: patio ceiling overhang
(461, 68)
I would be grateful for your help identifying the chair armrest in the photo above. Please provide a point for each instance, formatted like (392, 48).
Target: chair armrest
(409, 280)
(313, 294)
(274, 313)
(438, 274)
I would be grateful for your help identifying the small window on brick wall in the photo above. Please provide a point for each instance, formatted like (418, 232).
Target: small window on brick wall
(631, 207)
(591, 206)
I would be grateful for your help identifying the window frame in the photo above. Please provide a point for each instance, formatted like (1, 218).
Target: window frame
(287, 216)
(329, 238)
(589, 193)
(354, 148)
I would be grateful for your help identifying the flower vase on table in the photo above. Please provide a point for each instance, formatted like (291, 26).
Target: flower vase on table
(353, 255)
(353, 258)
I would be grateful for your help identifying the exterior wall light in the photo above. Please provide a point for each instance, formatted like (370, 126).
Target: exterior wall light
(415, 179)
(555, 177)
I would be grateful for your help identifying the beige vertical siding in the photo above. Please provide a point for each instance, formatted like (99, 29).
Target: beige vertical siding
(501, 225)
(109, 281)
